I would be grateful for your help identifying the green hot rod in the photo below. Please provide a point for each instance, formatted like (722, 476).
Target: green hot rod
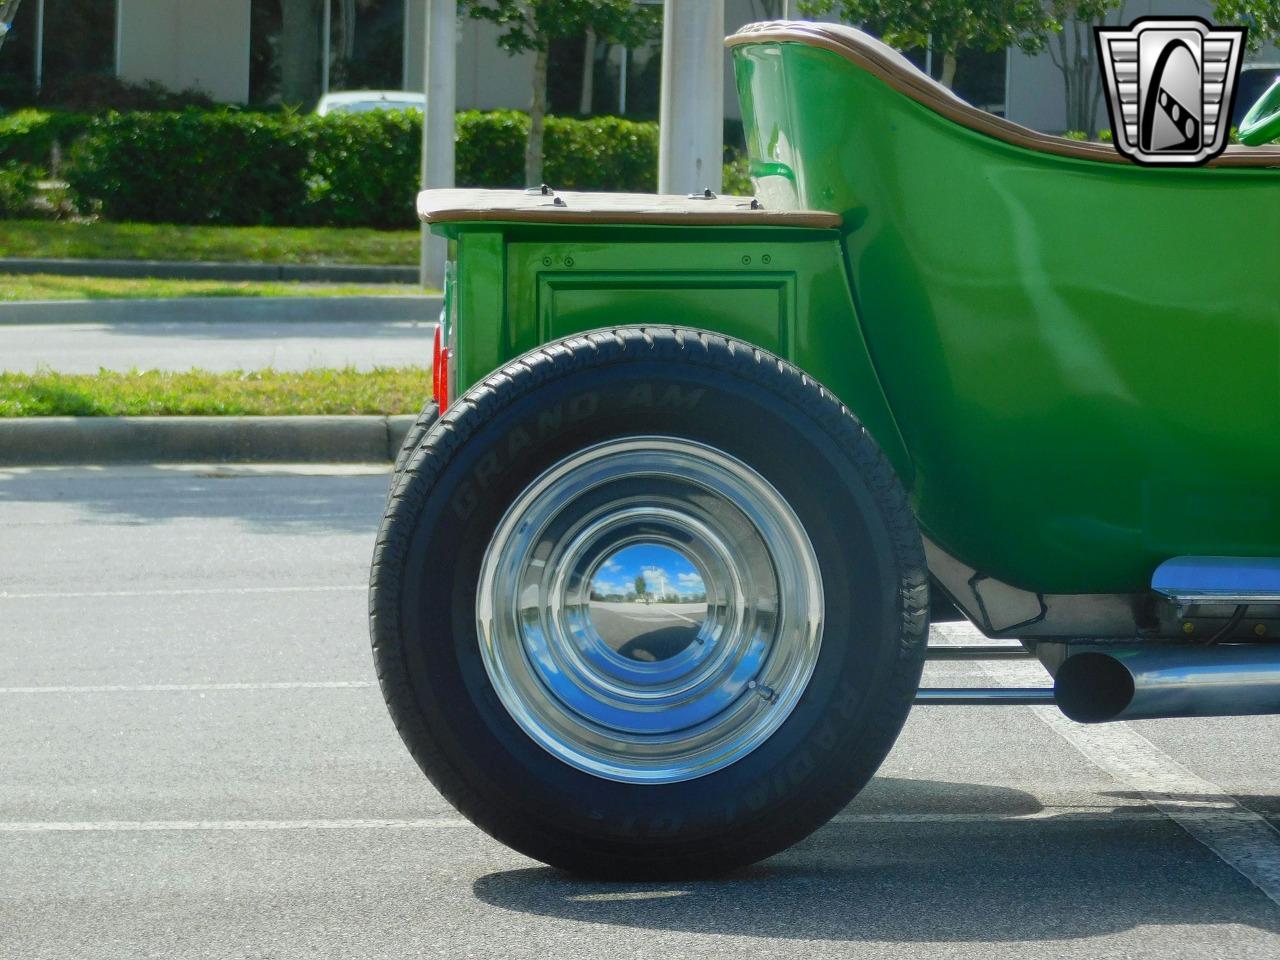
(655, 580)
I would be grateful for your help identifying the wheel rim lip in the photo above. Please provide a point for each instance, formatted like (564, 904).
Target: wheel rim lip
(555, 684)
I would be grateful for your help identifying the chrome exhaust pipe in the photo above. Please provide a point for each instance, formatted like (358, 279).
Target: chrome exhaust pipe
(1169, 680)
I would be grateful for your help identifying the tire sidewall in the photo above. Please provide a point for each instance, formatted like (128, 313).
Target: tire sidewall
(838, 731)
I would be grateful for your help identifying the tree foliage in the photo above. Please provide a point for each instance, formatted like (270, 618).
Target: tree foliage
(1262, 17)
(529, 26)
(948, 25)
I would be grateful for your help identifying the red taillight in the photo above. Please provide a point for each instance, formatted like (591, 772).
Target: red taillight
(440, 370)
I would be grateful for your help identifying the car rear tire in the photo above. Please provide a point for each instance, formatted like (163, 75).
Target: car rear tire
(426, 420)
(688, 749)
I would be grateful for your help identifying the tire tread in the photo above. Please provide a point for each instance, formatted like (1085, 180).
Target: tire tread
(438, 445)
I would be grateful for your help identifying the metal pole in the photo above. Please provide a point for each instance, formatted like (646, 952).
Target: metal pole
(119, 34)
(440, 83)
(404, 47)
(622, 82)
(326, 36)
(691, 125)
(39, 45)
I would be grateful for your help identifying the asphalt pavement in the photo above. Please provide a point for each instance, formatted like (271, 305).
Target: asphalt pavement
(647, 631)
(196, 762)
(245, 345)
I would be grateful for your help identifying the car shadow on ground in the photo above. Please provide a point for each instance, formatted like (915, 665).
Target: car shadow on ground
(921, 876)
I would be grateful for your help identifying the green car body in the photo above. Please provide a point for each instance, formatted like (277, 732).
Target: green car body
(1073, 365)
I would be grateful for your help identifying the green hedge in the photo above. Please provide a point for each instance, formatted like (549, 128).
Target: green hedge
(17, 190)
(29, 136)
(490, 148)
(598, 153)
(602, 153)
(233, 167)
(361, 170)
(196, 166)
(239, 167)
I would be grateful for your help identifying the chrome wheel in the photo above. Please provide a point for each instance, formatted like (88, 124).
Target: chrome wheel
(650, 610)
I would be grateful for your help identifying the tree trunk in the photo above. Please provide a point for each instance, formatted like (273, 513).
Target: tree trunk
(348, 49)
(948, 77)
(537, 109)
(1091, 86)
(1068, 77)
(1082, 94)
(587, 101)
(1077, 61)
(8, 10)
(299, 52)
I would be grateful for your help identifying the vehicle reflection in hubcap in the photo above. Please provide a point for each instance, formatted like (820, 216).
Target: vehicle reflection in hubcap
(649, 610)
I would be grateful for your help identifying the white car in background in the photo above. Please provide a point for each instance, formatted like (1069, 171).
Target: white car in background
(367, 101)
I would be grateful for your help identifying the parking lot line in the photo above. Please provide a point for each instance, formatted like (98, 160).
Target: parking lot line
(153, 826)
(181, 592)
(185, 687)
(73, 520)
(1242, 838)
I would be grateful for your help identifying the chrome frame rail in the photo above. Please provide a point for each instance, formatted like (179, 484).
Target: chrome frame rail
(982, 696)
(979, 651)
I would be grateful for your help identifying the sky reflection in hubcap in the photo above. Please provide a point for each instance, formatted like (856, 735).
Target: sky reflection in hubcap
(648, 602)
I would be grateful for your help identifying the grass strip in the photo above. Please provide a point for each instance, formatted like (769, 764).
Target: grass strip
(385, 390)
(162, 241)
(43, 286)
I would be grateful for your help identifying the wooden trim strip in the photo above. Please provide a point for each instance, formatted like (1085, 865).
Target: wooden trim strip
(519, 206)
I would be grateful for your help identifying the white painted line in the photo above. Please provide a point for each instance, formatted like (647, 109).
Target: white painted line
(434, 823)
(1242, 838)
(212, 470)
(622, 896)
(149, 826)
(1075, 814)
(187, 687)
(77, 519)
(649, 618)
(179, 592)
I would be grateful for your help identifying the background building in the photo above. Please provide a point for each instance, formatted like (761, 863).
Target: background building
(264, 52)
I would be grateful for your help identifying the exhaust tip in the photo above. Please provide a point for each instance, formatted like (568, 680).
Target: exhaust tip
(1093, 687)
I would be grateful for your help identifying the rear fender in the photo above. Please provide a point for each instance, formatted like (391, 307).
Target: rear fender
(785, 289)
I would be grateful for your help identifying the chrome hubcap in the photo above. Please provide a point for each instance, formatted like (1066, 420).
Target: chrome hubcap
(650, 610)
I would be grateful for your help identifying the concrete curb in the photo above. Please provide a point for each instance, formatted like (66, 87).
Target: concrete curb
(41, 441)
(393, 309)
(194, 270)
